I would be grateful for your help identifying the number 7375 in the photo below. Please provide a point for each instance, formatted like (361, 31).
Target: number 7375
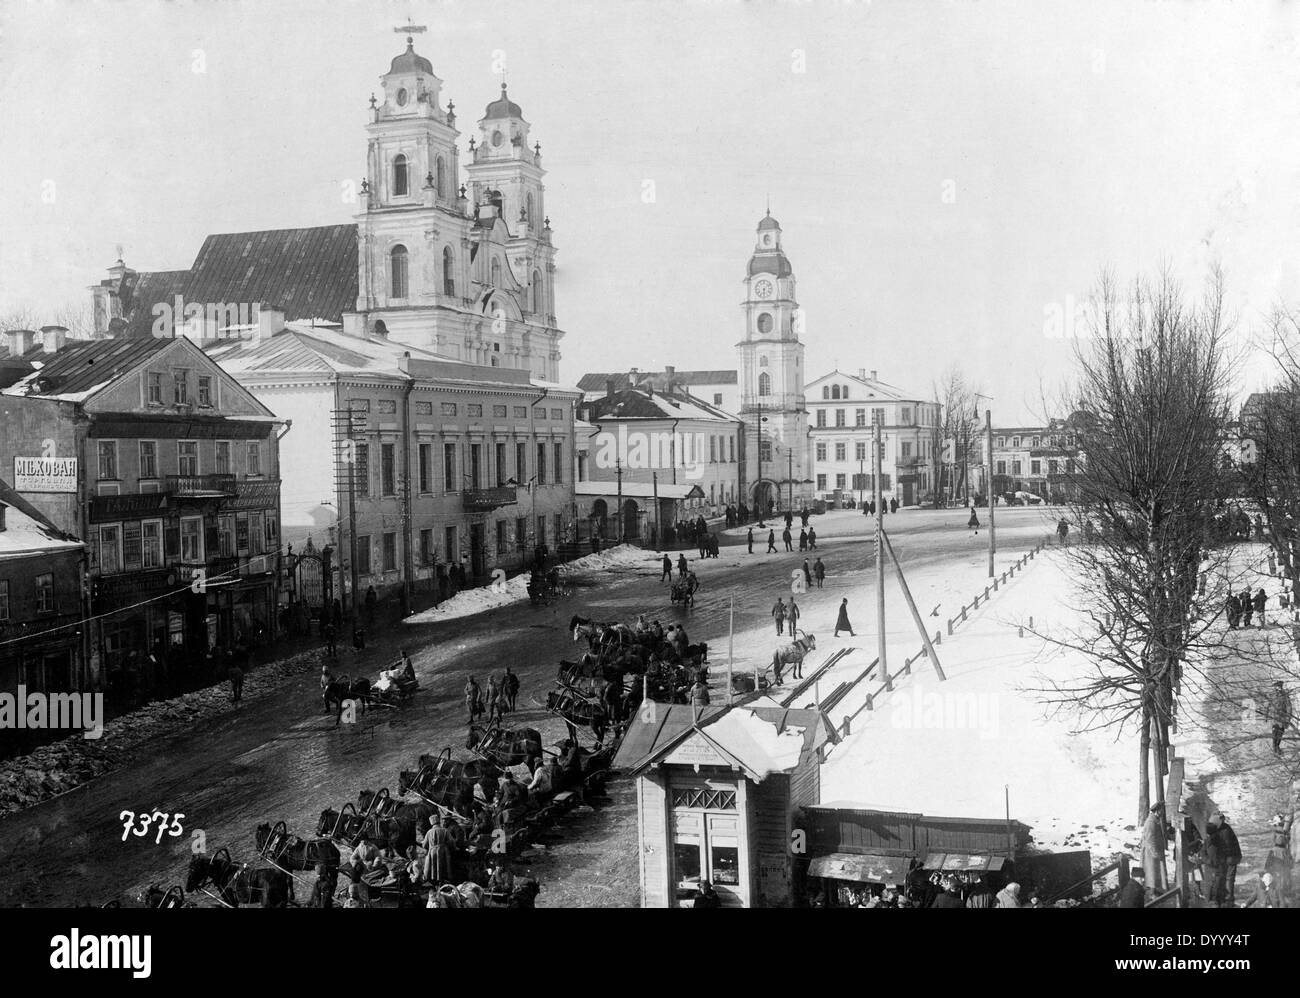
(145, 819)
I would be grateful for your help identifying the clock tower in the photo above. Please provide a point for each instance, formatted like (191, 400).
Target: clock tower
(772, 378)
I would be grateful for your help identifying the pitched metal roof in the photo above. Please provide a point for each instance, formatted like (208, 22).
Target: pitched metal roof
(150, 288)
(632, 403)
(310, 273)
(79, 367)
(596, 381)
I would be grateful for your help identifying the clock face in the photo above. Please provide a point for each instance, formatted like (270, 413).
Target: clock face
(767, 239)
(401, 97)
(763, 289)
(497, 138)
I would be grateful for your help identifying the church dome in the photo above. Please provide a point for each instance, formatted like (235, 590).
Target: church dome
(770, 263)
(768, 222)
(503, 108)
(409, 62)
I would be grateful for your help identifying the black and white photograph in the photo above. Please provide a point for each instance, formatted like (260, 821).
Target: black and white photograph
(586, 454)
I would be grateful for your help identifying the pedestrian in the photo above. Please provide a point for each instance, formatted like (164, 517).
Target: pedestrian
(1279, 713)
(893, 505)
(789, 519)
(437, 857)
(792, 614)
(1229, 856)
(807, 575)
(842, 621)
(681, 566)
(511, 689)
(1259, 602)
(473, 699)
(819, 571)
(1247, 607)
(1154, 843)
(493, 698)
(1062, 530)
(778, 614)
(771, 541)
(1009, 896)
(786, 537)
(803, 516)
(236, 676)
(371, 600)
(338, 614)
(331, 640)
(667, 569)
(713, 545)
(1232, 608)
(812, 538)
(749, 540)
(322, 891)
(974, 522)
(1281, 859)
(803, 540)
(700, 693)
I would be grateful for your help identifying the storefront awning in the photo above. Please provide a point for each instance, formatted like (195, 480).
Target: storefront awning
(954, 862)
(864, 869)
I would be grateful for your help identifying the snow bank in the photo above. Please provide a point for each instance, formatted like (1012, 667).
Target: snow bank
(468, 602)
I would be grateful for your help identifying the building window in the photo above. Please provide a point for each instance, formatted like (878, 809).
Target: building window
(860, 450)
(148, 459)
(539, 412)
(424, 408)
(4, 599)
(192, 540)
(835, 391)
(426, 468)
(839, 418)
(765, 450)
(717, 398)
(363, 554)
(521, 412)
(541, 464)
(401, 186)
(226, 547)
(906, 449)
(499, 411)
(764, 384)
(521, 463)
(878, 416)
(475, 466)
(110, 550)
(762, 360)
(254, 459)
(907, 414)
(1035, 467)
(187, 457)
(541, 530)
(826, 391)
(388, 407)
(1002, 467)
(494, 274)
(860, 417)
(474, 409)
(361, 470)
(844, 391)
(559, 464)
(390, 552)
(448, 272)
(840, 481)
(1015, 467)
(503, 538)
(1037, 441)
(839, 452)
(1002, 441)
(223, 457)
(449, 408)
(450, 476)
(557, 525)
(821, 483)
(45, 593)
(821, 417)
(387, 472)
(108, 459)
(731, 450)
(452, 548)
(155, 388)
(151, 542)
(181, 387)
(821, 452)
(500, 453)
(426, 548)
(1015, 441)
(397, 271)
(205, 391)
(255, 534)
(440, 176)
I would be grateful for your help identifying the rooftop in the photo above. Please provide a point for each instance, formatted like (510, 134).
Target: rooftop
(27, 530)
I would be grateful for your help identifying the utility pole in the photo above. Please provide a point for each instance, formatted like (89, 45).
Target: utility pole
(880, 563)
(988, 442)
(618, 467)
(659, 537)
(758, 442)
(789, 477)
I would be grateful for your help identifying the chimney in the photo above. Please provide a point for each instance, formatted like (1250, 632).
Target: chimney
(862, 373)
(116, 327)
(404, 364)
(19, 341)
(633, 377)
(53, 338)
(270, 320)
(3, 507)
(609, 388)
(873, 375)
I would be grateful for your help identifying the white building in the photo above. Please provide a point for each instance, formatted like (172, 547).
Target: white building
(842, 410)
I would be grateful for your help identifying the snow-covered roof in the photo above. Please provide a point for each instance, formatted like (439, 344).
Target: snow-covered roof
(26, 530)
(637, 490)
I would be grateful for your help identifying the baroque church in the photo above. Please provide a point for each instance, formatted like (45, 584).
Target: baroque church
(455, 259)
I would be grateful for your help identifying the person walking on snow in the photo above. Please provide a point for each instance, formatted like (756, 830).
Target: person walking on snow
(974, 522)
(778, 614)
(668, 569)
(842, 621)
(1062, 529)
(792, 615)
(1259, 602)
(803, 540)
(749, 539)
(681, 566)
(807, 575)
(812, 538)
(785, 536)
(1279, 713)
(819, 571)
(771, 541)
(1247, 607)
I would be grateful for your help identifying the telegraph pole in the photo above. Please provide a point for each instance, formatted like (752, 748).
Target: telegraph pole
(988, 442)
(880, 562)
(618, 467)
(659, 537)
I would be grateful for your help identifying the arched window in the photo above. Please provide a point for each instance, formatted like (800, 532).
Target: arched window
(537, 291)
(529, 216)
(826, 391)
(397, 271)
(835, 391)
(844, 392)
(496, 273)
(762, 361)
(440, 177)
(448, 271)
(400, 188)
(764, 384)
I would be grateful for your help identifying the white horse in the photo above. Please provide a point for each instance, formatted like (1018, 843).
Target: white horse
(792, 654)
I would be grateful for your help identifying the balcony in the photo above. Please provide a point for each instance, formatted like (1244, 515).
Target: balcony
(483, 500)
(201, 486)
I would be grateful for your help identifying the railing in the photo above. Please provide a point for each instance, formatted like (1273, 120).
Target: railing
(481, 500)
(201, 486)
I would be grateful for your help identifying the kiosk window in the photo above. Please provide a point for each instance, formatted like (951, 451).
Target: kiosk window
(686, 862)
(725, 865)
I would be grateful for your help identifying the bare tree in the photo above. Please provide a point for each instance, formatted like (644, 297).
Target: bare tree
(1151, 408)
(959, 422)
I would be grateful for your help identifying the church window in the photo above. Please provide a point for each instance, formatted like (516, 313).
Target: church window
(400, 187)
(537, 291)
(398, 271)
(448, 272)
(835, 391)
(440, 177)
(496, 273)
(764, 384)
(765, 449)
(762, 361)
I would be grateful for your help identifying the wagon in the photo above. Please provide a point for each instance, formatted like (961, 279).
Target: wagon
(683, 591)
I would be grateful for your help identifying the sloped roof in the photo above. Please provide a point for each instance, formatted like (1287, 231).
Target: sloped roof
(27, 530)
(631, 403)
(880, 389)
(83, 366)
(304, 349)
(148, 289)
(596, 381)
(310, 273)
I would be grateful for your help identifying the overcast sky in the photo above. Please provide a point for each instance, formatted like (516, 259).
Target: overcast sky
(944, 171)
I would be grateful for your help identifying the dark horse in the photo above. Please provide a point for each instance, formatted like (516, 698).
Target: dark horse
(267, 888)
(289, 851)
(340, 690)
(397, 830)
(506, 746)
(578, 710)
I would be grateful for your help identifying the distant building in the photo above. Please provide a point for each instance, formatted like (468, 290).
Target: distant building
(718, 388)
(169, 470)
(842, 410)
(1035, 459)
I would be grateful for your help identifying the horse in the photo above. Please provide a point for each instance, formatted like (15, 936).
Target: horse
(792, 654)
(291, 852)
(600, 636)
(577, 710)
(239, 885)
(506, 746)
(340, 690)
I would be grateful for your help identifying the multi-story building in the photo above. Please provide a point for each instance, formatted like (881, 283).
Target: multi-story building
(665, 443)
(41, 607)
(1034, 459)
(718, 388)
(169, 470)
(842, 410)
(443, 461)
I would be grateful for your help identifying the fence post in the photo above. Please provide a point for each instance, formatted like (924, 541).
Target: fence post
(870, 701)
(950, 627)
(938, 637)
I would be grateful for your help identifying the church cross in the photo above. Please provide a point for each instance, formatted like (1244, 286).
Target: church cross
(411, 29)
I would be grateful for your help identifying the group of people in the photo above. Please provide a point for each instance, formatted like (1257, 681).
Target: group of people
(807, 540)
(1242, 607)
(497, 701)
(869, 507)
